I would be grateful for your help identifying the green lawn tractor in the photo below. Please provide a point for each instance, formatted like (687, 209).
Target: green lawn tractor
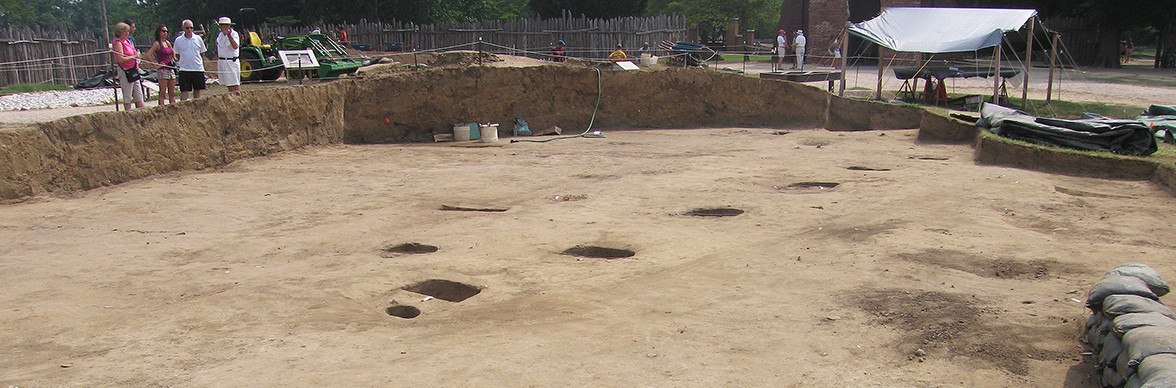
(332, 57)
(259, 62)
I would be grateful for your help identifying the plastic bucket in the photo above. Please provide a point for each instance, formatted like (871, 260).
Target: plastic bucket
(461, 132)
(489, 133)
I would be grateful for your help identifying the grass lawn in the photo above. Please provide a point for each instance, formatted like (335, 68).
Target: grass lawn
(25, 88)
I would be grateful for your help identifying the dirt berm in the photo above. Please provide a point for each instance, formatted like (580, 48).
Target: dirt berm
(84, 152)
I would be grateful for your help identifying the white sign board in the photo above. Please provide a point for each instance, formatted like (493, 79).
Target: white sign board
(298, 59)
(627, 65)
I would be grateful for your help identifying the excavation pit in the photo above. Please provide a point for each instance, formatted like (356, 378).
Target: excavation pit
(596, 252)
(406, 312)
(451, 208)
(411, 248)
(864, 168)
(715, 212)
(446, 290)
(812, 185)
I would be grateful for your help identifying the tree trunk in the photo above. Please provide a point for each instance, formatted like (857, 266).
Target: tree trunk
(1108, 48)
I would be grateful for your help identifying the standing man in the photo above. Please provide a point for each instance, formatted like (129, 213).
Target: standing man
(798, 45)
(781, 48)
(188, 47)
(130, 35)
(228, 67)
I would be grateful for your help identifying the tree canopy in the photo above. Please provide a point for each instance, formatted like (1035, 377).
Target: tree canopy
(601, 9)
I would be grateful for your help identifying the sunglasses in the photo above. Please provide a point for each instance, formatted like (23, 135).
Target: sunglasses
(162, 30)
(188, 28)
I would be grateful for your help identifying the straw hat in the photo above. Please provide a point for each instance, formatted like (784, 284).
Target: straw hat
(225, 20)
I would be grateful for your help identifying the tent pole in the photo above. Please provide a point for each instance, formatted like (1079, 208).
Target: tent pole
(844, 58)
(996, 77)
(1028, 63)
(1053, 59)
(881, 67)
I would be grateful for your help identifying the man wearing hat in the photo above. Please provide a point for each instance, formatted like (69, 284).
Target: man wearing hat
(798, 45)
(781, 47)
(228, 65)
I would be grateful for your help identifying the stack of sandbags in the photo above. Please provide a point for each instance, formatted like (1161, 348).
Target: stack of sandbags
(1133, 334)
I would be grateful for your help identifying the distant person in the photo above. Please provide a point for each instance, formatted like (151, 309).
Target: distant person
(188, 47)
(644, 49)
(559, 53)
(343, 35)
(798, 44)
(316, 30)
(618, 55)
(1130, 49)
(1123, 51)
(130, 35)
(161, 51)
(781, 49)
(127, 57)
(228, 66)
(835, 49)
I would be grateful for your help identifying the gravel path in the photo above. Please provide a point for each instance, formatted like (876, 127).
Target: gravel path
(55, 99)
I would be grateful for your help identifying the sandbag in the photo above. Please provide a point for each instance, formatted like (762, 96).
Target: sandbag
(1158, 371)
(1110, 378)
(1096, 334)
(1116, 284)
(1142, 343)
(1116, 305)
(1111, 348)
(1126, 322)
(1150, 276)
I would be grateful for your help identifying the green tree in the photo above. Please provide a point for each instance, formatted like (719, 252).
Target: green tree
(602, 9)
(712, 15)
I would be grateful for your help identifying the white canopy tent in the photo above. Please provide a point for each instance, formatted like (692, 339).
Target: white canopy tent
(951, 30)
(941, 30)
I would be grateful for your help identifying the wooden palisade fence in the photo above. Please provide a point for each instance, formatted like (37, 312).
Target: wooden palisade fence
(34, 55)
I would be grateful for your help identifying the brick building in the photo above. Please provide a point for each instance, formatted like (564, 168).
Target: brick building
(823, 20)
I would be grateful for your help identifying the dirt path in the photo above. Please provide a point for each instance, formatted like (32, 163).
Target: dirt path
(271, 271)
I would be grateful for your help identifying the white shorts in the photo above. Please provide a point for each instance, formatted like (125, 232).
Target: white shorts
(228, 72)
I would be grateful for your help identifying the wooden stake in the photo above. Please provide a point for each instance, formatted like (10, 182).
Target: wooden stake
(844, 58)
(1028, 63)
(881, 68)
(1053, 59)
(996, 77)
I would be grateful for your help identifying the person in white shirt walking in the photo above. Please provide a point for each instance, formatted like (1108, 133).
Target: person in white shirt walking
(228, 65)
(798, 45)
(188, 47)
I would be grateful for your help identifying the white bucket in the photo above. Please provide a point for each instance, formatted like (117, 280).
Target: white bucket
(489, 132)
(648, 60)
(461, 132)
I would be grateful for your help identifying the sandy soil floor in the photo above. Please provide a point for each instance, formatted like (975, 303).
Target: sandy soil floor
(918, 268)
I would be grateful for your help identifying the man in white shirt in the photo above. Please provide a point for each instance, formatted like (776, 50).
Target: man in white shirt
(781, 47)
(798, 43)
(228, 65)
(188, 47)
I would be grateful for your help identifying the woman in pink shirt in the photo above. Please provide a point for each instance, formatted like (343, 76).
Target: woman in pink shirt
(128, 62)
(162, 51)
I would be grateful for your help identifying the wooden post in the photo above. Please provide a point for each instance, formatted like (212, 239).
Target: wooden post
(996, 78)
(1028, 63)
(1053, 59)
(881, 68)
(844, 58)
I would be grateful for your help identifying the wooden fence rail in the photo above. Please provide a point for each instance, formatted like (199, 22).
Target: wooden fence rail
(63, 56)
